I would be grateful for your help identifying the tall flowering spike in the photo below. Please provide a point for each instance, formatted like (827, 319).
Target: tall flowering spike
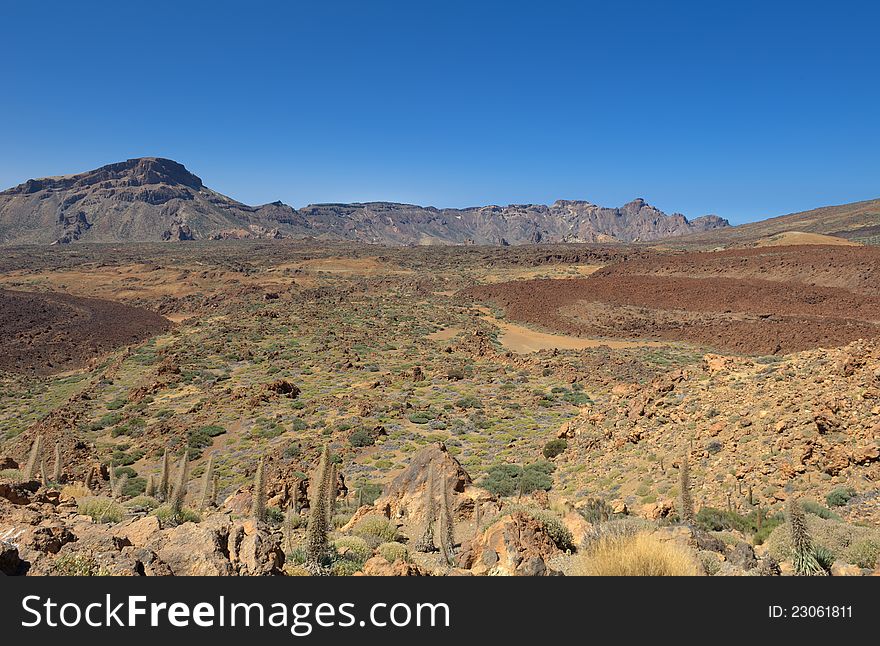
(258, 506)
(165, 477)
(178, 492)
(805, 562)
(56, 473)
(33, 463)
(426, 540)
(316, 530)
(686, 504)
(447, 534)
(207, 485)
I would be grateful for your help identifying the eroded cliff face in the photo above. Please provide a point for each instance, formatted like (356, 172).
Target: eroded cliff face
(152, 199)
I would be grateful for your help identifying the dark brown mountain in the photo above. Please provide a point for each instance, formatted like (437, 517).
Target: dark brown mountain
(149, 199)
(857, 223)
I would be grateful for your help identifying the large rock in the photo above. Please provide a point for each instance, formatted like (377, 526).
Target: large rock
(253, 550)
(195, 549)
(404, 496)
(219, 547)
(10, 562)
(516, 545)
(139, 532)
(379, 566)
(18, 493)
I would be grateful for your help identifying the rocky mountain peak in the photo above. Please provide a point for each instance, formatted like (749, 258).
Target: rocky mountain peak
(141, 171)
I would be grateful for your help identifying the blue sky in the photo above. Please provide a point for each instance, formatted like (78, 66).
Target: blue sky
(747, 110)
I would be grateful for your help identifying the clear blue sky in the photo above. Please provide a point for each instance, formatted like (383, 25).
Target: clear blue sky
(742, 109)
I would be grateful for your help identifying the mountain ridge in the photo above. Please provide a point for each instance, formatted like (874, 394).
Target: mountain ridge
(154, 198)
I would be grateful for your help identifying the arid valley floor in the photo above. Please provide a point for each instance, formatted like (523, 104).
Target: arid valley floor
(552, 394)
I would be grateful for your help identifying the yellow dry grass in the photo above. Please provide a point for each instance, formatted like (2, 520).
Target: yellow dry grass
(639, 555)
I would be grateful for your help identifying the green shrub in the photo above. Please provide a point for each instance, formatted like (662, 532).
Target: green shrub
(274, 516)
(353, 548)
(577, 399)
(362, 437)
(840, 496)
(469, 401)
(863, 553)
(124, 458)
(510, 479)
(77, 565)
(392, 552)
(101, 509)
(376, 529)
(199, 439)
(117, 403)
(554, 448)
(421, 418)
(367, 493)
(142, 503)
(344, 567)
(166, 516)
(110, 419)
(849, 543)
(812, 507)
(717, 520)
(292, 451)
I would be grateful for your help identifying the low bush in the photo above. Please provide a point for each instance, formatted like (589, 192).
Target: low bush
(77, 565)
(362, 437)
(353, 548)
(392, 552)
(101, 509)
(844, 542)
(510, 479)
(376, 530)
(840, 496)
(166, 516)
(554, 448)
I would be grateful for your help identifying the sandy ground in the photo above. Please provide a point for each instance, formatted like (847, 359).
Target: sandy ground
(801, 238)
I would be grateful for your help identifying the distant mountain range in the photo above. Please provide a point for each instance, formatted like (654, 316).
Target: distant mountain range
(151, 199)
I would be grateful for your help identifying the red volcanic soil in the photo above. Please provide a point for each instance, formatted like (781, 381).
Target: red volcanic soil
(856, 269)
(726, 307)
(44, 333)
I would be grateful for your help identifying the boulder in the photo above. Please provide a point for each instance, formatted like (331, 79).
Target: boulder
(139, 532)
(515, 545)
(195, 549)
(10, 562)
(18, 493)
(404, 496)
(47, 539)
(839, 568)
(378, 566)
(254, 550)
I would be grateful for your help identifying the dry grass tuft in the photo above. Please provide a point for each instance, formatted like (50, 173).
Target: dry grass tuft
(638, 555)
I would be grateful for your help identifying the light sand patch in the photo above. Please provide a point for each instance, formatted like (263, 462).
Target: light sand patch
(139, 281)
(790, 238)
(445, 334)
(549, 271)
(517, 338)
(522, 340)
